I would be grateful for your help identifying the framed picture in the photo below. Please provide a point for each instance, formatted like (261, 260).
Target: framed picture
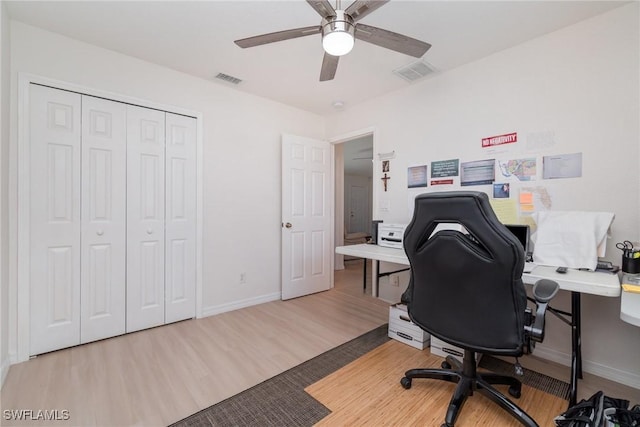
(385, 166)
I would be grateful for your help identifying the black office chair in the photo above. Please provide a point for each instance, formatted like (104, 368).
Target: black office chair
(466, 289)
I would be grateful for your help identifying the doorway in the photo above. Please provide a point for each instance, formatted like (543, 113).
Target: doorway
(354, 192)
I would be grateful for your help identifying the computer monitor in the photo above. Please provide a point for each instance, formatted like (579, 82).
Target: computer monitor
(522, 234)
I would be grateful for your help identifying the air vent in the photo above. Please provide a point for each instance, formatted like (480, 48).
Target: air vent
(229, 79)
(415, 71)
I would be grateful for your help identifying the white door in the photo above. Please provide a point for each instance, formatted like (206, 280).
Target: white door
(145, 217)
(54, 198)
(358, 204)
(103, 215)
(180, 213)
(307, 192)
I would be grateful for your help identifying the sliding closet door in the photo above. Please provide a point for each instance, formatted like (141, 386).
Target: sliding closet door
(54, 198)
(145, 217)
(104, 185)
(180, 226)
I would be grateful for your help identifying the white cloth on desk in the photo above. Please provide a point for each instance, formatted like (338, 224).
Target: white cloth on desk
(570, 238)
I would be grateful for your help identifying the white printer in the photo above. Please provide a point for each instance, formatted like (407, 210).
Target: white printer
(391, 235)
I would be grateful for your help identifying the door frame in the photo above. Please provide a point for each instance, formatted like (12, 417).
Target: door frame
(338, 185)
(19, 229)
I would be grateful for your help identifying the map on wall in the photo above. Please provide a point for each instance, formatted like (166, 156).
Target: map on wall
(522, 169)
(531, 200)
(534, 199)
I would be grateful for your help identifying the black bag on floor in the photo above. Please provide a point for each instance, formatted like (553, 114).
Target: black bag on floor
(590, 412)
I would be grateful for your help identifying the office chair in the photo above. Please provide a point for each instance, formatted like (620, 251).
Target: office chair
(466, 289)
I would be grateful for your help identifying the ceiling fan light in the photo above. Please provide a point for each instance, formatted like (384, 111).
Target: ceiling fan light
(337, 43)
(338, 34)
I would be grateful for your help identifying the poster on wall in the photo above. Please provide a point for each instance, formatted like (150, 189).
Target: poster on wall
(479, 172)
(518, 169)
(501, 191)
(562, 166)
(417, 176)
(445, 168)
(492, 141)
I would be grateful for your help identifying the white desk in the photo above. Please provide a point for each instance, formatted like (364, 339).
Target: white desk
(577, 282)
(585, 282)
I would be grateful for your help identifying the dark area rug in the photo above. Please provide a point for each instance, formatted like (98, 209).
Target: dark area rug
(282, 401)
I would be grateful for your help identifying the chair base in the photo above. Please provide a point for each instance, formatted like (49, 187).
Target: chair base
(469, 380)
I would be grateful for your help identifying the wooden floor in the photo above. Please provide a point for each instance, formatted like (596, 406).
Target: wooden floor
(159, 376)
(367, 392)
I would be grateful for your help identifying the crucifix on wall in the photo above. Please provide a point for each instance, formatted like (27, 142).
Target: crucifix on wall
(384, 181)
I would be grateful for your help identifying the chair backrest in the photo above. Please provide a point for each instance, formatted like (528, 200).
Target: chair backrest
(466, 289)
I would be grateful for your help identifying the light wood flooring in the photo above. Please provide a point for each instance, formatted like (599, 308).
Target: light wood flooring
(367, 392)
(159, 376)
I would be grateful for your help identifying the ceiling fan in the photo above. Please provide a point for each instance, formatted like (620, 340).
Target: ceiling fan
(339, 28)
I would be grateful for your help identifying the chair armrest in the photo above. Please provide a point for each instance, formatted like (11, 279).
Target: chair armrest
(543, 291)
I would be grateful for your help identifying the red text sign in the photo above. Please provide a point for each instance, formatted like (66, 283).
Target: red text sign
(499, 139)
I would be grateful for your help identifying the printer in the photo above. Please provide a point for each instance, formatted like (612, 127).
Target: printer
(391, 235)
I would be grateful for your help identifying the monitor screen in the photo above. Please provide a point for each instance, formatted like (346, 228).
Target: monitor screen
(522, 233)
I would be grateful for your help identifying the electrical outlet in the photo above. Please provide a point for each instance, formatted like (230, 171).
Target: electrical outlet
(395, 280)
(243, 278)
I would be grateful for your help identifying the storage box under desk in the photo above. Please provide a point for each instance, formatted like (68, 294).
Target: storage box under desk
(444, 349)
(401, 328)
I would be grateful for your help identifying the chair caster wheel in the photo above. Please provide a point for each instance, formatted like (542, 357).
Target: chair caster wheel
(515, 391)
(445, 365)
(406, 382)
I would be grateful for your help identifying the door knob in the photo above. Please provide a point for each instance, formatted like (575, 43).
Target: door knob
(149, 231)
(288, 225)
(99, 232)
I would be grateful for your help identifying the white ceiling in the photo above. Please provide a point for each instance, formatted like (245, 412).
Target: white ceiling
(196, 37)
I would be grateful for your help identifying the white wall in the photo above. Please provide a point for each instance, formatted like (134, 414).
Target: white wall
(241, 154)
(581, 83)
(4, 186)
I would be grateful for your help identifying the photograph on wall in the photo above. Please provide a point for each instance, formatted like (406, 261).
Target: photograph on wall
(501, 191)
(518, 169)
(417, 176)
(385, 166)
(445, 168)
(478, 172)
(562, 166)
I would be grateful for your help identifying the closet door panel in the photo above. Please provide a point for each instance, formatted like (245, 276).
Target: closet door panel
(180, 227)
(103, 218)
(145, 218)
(54, 198)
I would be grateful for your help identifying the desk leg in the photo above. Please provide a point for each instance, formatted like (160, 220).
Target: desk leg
(364, 276)
(375, 268)
(576, 347)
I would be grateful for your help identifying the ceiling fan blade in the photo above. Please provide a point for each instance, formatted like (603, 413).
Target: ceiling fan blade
(391, 40)
(361, 8)
(323, 7)
(329, 67)
(278, 36)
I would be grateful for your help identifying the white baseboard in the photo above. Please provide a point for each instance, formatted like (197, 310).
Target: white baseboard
(4, 370)
(631, 379)
(223, 308)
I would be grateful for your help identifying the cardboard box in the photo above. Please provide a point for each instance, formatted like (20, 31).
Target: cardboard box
(401, 328)
(444, 349)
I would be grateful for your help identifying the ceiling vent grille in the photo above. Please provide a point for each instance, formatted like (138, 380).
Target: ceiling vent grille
(415, 71)
(229, 79)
